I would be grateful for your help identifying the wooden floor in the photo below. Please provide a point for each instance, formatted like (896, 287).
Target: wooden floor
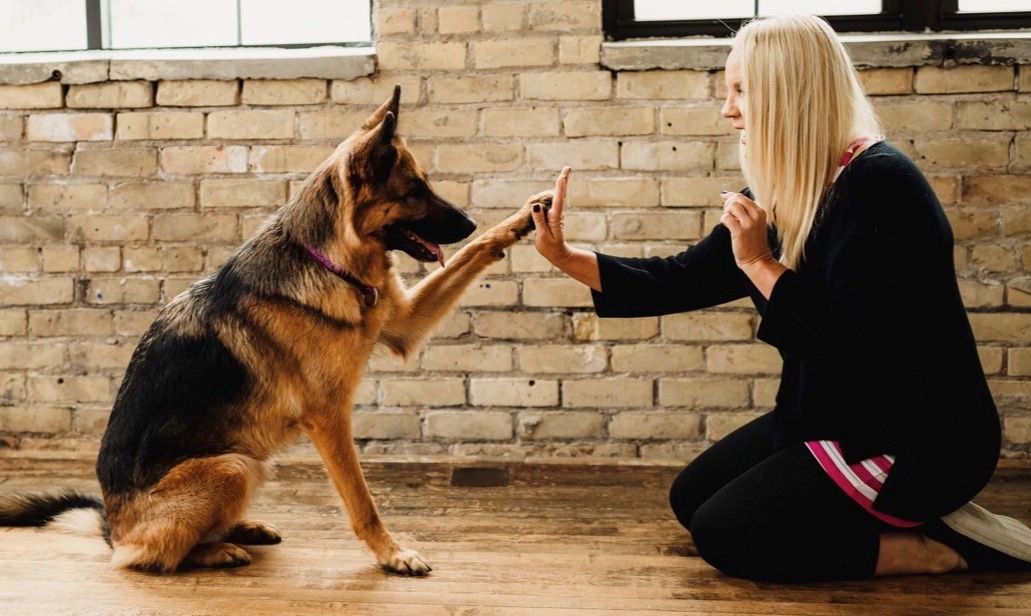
(542, 539)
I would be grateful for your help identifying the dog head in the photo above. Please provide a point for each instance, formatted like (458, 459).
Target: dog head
(376, 193)
(394, 200)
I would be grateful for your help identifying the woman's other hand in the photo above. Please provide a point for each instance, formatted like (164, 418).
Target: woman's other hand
(750, 241)
(550, 238)
(748, 229)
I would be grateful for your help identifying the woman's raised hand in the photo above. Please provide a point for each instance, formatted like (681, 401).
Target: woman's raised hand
(550, 238)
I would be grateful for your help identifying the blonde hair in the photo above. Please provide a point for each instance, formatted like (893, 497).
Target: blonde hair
(803, 106)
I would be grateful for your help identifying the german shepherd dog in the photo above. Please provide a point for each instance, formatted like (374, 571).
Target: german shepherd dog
(271, 345)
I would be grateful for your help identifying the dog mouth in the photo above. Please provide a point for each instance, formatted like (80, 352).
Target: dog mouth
(415, 246)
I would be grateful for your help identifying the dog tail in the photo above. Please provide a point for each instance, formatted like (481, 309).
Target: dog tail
(68, 511)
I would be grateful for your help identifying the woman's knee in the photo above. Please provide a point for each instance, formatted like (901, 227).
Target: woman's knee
(686, 495)
(717, 537)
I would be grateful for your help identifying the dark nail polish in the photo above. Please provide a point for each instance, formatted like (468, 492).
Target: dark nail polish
(536, 207)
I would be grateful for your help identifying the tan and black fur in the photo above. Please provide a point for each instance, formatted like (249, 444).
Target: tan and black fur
(271, 345)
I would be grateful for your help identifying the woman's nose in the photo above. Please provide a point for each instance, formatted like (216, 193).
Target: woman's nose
(728, 110)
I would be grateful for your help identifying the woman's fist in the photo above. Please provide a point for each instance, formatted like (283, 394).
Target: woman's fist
(748, 230)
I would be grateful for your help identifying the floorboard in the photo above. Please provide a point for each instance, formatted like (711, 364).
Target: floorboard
(505, 539)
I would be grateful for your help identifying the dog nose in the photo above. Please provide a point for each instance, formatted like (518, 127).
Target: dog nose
(469, 225)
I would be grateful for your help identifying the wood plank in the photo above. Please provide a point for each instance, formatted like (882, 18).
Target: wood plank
(554, 539)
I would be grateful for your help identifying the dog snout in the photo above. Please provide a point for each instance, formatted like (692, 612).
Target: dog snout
(468, 226)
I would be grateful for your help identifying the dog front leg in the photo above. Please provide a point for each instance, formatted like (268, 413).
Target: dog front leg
(331, 433)
(433, 297)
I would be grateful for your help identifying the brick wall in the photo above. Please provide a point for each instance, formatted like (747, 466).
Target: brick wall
(115, 196)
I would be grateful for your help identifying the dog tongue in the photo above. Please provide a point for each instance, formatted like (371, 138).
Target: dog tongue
(435, 249)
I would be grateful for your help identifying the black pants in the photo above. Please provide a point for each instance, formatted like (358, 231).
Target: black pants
(764, 510)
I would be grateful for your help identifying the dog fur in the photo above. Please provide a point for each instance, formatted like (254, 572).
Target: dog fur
(270, 346)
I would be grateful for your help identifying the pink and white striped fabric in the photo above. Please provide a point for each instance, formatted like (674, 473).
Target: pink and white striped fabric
(861, 481)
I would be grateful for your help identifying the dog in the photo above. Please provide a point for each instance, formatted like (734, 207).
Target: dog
(271, 345)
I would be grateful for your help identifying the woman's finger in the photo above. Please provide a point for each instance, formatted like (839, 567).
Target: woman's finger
(540, 221)
(561, 183)
(730, 222)
(739, 212)
(751, 207)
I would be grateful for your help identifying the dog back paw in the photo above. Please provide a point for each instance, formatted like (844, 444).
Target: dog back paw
(220, 555)
(253, 532)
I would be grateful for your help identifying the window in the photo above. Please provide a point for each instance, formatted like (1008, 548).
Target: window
(624, 19)
(57, 25)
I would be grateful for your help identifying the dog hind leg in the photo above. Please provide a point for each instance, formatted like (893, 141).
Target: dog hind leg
(198, 498)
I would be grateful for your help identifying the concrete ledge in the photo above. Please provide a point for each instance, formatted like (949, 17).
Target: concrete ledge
(868, 50)
(209, 63)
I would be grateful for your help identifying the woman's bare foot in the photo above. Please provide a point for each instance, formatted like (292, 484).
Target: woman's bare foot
(910, 552)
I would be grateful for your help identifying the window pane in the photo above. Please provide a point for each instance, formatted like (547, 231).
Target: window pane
(820, 7)
(660, 10)
(275, 22)
(182, 23)
(42, 25)
(993, 6)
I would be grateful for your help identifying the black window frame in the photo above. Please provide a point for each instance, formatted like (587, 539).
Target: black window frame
(619, 23)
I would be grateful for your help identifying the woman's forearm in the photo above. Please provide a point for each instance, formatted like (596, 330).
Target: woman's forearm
(581, 265)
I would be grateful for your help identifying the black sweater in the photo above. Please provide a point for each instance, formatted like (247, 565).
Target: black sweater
(877, 348)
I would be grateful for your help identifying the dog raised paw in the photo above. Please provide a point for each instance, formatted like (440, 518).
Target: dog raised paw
(543, 199)
(516, 226)
(406, 562)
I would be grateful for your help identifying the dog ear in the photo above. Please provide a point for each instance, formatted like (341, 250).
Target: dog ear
(392, 104)
(382, 153)
(387, 128)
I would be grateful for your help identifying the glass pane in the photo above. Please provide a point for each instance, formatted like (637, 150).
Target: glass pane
(182, 23)
(275, 22)
(993, 6)
(661, 10)
(42, 25)
(820, 7)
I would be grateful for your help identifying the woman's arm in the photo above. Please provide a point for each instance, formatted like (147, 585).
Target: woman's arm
(704, 275)
(581, 265)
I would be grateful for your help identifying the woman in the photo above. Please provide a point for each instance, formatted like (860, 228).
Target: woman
(884, 422)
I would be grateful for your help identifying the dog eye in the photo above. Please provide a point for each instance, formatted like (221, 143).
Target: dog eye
(418, 191)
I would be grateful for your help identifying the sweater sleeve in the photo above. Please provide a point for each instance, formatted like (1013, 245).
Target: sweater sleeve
(704, 275)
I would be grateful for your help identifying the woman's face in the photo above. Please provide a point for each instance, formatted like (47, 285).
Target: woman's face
(733, 108)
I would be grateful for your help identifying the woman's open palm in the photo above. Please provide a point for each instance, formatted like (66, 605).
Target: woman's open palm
(550, 238)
